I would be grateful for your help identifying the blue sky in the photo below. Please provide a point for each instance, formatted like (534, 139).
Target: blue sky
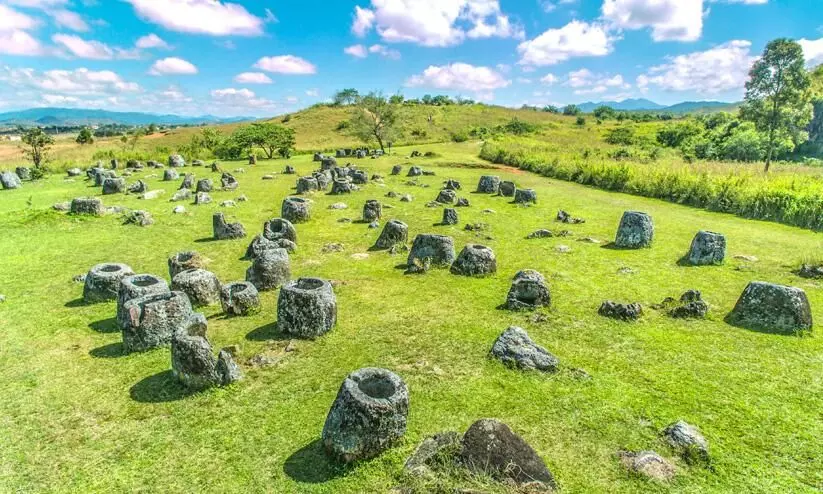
(251, 57)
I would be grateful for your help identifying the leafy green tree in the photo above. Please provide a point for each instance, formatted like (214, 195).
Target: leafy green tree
(211, 138)
(621, 136)
(604, 112)
(37, 145)
(674, 135)
(374, 119)
(85, 136)
(269, 137)
(551, 109)
(152, 128)
(346, 97)
(397, 99)
(816, 125)
(571, 110)
(777, 94)
(581, 121)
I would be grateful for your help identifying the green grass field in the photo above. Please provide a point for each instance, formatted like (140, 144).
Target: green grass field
(77, 415)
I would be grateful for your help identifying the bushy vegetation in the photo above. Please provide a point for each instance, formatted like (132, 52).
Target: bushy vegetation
(786, 198)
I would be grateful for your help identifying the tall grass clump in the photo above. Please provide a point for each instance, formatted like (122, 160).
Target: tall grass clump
(794, 198)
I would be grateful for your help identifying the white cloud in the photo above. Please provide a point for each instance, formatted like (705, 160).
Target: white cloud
(585, 81)
(669, 20)
(549, 79)
(78, 82)
(19, 43)
(37, 4)
(210, 17)
(524, 80)
(575, 39)
(722, 68)
(434, 22)
(175, 94)
(550, 6)
(460, 77)
(252, 78)
(243, 98)
(384, 51)
(151, 41)
(314, 93)
(286, 64)
(59, 99)
(12, 20)
(81, 48)
(69, 19)
(172, 65)
(363, 21)
(813, 51)
(357, 51)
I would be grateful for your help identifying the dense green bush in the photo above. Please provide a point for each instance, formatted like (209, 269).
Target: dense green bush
(792, 200)
(621, 136)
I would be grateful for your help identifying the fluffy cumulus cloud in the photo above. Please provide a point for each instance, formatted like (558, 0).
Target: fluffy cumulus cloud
(575, 39)
(74, 82)
(252, 78)
(549, 79)
(722, 68)
(210, 17)
(669, 20)
(434, 22)
(481, 81)
(70, 20)
(286, 64)
(81, 48)
(586, 82)
(14, 36)
(172, 66)
(150, 41)
(813, 51)
(357, 51)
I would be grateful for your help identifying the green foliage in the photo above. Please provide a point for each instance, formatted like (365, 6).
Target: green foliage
(551, 109)
(571, 110)
(286, 118)
(675, 135)
(604, 112)
(269, 137)
(346, 97)
(37, 145)
(621, 136)
(85, 137)
(777, 95)
(374, 120)
(518, 127)
(460, 136)
(342, 125)
(744, 145)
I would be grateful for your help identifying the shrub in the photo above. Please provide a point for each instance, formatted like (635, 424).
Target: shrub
(418, 132)
(460, 136)
(581, 121)
(674, 136)
(286, 118)
(571, 110)
(746, 145)
(518, 127)
(342, 125)
(621, 136)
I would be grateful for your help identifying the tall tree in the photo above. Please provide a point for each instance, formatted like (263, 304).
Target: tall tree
(269, 137)
(346, 97)
(37, 144)
(374, 119)
(816, 125)
(777, 94)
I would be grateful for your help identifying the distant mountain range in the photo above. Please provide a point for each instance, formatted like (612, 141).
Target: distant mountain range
(76, 117)
(647, 105)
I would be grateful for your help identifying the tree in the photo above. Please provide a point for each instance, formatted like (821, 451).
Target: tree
(816, 125)
(604, 112)
(37, 144)
(777, 96)
(571, 110)
(151, 129)
(551, 109)
(271, 138)
(346, 97)
(374, 120)
(211, 138)
(85, 136)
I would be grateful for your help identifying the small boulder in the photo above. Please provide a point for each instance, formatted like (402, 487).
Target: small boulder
(239, 298)
(708, 248)
(114, 186)
(475, 260)
(170, 175)
(306, 308)
(92, 206)
(525, 196)
(296, 209)
(395, 232)
(176, 161)
(529, 291)
(414, 171)
(10, 180)
(139, 218)
(205, 185)
(623, 312)
(648, 464)
(636, 231)
(687, 440)
(201, 286)
(507, 189)
(488, 184)
(774, 308)
(438, 249)
(515, 349)
(446, 196)
(450, 216)
(226, 231)
(269, 270)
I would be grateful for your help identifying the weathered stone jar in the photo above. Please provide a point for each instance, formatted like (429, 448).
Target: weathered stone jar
(240, 298)
(488, 184)
(92, 206)
(201, 286)
(136, 286)
(708, 248)
(279, 228)
(772, 308)
(103, 282)
(269, 270)
(439, 249)
(184, 260)
(475, 260)
(529, 291)
(368, 415)
(306, 308)
(372, 211)
(296, 209)
(395, 232)
(636, 231)
(151, 321)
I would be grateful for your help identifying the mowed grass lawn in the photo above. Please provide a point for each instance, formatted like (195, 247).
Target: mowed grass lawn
(77, 415)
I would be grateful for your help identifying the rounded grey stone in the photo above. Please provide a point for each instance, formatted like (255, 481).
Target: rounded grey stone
(114, 186)
(223, 230)
(296, 209)
(170, 175)
(183, 261)
(636, 231)
(414, 171)
(341, 186)
(439, 249)
(103, 282)
(529, 291)
(368, 416)
(307, 184)
(687, 440)
(269, 270)
(395, 232)
(10, 180)
(306, 308)
(708, 248)
(151, 321)
(239, 298)
(278, 228)
(446, 196)
(772, 308)
(205, 185)
(193, 362)
(450, 216)
(515, 349)
(372, 211)
(525, 196)
(92, 206)
(201, 286)
(488, 184)
(176, 161)
(396, 169)
(475, 260)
